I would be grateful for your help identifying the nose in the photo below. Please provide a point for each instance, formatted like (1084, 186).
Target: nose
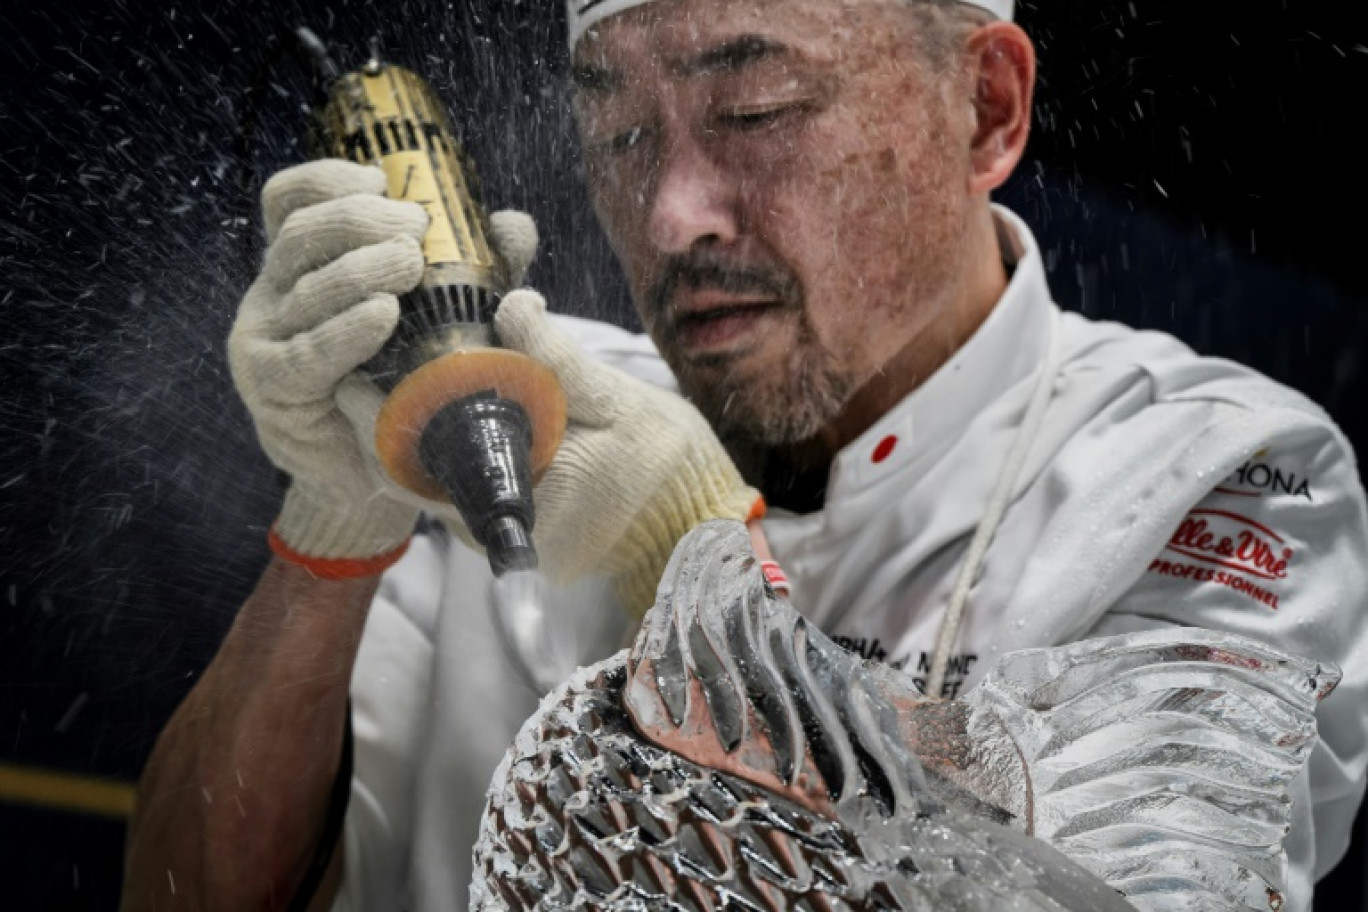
(694, 200)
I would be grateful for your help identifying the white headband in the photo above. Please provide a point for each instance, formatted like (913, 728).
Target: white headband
(584, 13)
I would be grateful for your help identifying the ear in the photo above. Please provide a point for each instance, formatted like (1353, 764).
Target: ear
(1001, 61)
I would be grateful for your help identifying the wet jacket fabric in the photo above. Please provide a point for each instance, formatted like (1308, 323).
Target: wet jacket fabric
(1163, 488)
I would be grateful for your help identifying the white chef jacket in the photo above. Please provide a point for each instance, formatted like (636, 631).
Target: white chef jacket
(1162, 489)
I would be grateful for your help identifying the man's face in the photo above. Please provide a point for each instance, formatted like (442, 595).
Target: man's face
(785, 184)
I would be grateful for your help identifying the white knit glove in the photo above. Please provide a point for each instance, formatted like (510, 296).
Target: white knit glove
(639, 466)
(325, 302)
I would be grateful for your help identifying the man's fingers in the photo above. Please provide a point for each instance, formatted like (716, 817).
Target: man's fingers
(360, 400)
(514, 235)
(394, 266)
(312, 183)
(522, 325)
(311, 364)
(319, 234)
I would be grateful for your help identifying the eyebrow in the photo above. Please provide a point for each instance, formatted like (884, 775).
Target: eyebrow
(589, 78)
(728, 57)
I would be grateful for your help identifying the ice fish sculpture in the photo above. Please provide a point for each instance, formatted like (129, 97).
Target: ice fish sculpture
(737, 758)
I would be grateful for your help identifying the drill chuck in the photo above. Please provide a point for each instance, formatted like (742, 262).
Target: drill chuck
(509, 545)
(477, 448)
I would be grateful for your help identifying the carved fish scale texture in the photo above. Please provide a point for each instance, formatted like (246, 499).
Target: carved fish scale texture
(585, 814)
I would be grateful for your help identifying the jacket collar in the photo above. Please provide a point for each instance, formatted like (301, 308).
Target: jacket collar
(1002, 353)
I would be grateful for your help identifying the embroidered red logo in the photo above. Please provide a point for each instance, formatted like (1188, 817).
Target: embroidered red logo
(1233, 541)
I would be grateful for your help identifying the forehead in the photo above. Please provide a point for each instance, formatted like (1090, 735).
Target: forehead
(676, 36)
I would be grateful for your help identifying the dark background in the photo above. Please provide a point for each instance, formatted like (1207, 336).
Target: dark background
(1194, 169)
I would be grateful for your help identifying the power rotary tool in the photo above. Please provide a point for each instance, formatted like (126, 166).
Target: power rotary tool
(464, 420)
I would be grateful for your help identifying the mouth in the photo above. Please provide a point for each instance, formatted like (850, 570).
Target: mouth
(714, 324)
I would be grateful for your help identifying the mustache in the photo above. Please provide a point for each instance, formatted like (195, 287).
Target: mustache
(702, 271)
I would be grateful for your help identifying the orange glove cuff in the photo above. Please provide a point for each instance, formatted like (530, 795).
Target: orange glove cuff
(336, 568)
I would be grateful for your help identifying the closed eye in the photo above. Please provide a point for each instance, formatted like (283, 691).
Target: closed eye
(625, 140)
(618, 143)
(757, 118)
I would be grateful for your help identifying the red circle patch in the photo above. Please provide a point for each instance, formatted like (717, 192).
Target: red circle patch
(885, 448)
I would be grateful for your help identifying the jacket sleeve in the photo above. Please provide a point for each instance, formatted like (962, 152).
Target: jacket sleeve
(390, 688)
(434, 704)
(1278, 551)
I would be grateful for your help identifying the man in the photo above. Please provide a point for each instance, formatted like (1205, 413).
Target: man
(798, 192)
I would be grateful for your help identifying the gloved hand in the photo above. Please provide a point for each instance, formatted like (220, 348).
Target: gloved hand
(638, 468)
(339, 253)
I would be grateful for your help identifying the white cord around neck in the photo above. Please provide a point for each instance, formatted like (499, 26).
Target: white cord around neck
(1026, 434)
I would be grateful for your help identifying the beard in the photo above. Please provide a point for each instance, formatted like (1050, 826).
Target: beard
(786, 406)
(770, 425)
(768, 420)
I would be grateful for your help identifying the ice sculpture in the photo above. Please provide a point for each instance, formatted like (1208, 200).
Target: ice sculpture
(737, 758)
